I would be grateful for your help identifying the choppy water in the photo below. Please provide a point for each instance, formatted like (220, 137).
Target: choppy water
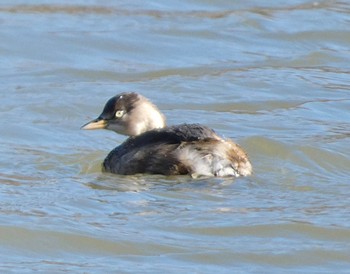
(273, 75)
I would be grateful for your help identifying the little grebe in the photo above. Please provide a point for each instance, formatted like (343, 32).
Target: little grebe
(155, 148)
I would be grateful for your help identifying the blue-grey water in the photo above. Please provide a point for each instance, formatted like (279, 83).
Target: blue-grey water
(272, 75)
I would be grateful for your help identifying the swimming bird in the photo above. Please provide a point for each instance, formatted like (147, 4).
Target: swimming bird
(155, 148)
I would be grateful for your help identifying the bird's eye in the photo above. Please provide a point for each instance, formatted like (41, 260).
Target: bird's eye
(119, 113)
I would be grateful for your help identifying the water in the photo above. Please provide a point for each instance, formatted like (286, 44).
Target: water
(272, 75)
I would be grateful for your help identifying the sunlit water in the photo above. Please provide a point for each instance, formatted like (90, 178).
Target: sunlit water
(272, 75)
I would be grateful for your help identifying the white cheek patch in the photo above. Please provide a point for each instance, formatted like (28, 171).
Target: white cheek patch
(117, 128)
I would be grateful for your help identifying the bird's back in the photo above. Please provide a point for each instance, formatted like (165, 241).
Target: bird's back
(184, 149)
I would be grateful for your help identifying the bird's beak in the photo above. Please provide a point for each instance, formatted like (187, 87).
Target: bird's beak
(96, 124)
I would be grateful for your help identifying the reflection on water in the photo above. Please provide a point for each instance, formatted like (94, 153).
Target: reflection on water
(272, 76)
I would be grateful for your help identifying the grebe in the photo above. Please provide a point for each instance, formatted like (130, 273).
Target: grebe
(157, 149)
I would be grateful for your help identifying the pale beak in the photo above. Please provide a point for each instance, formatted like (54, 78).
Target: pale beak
(96, 124)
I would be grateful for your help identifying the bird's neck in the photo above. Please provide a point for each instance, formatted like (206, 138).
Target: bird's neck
(145, 119)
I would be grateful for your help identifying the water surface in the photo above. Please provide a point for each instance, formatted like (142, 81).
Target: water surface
(274, 76)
